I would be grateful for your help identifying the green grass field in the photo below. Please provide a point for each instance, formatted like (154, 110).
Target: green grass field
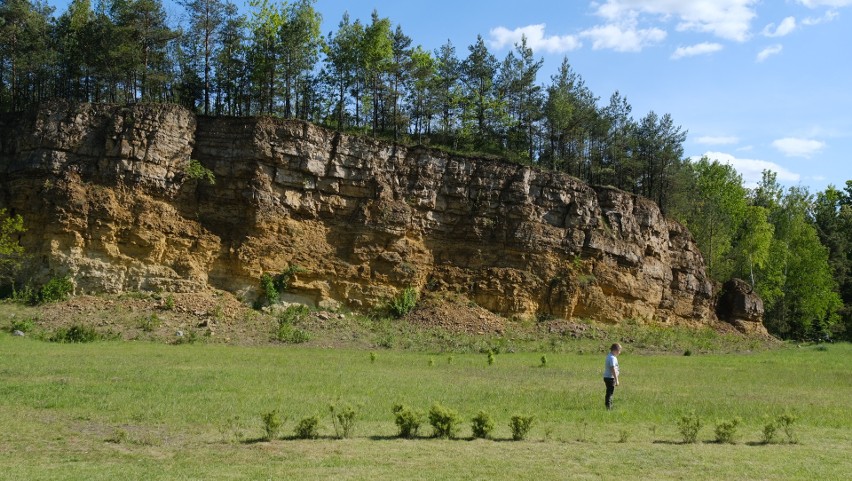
(141, 410)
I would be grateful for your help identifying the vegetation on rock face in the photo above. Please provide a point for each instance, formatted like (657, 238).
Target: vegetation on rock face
(197, 171)
(11, 252)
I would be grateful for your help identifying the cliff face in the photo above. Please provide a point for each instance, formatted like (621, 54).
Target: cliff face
(106, 197)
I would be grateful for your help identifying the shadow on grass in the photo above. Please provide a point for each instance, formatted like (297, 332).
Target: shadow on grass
(290, 438)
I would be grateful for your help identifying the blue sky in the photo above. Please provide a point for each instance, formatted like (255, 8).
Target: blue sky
(758, 84)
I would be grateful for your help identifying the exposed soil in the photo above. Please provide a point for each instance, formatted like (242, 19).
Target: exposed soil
(219, 317)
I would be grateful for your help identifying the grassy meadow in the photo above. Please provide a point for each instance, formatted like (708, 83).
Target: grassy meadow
(143, 410)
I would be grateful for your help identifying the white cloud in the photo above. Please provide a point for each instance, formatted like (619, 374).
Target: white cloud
(796, 147)
(698, 49)
(623, 37)
(825, 3)
(785, 28)
(536, 39)
(827, 17)
(769, 51)
(720, 140)
(728, 19)
(752, 169)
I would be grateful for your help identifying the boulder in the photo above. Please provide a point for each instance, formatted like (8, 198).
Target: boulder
(740, 305)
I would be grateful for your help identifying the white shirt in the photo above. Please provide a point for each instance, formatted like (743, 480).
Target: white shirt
(610, 365)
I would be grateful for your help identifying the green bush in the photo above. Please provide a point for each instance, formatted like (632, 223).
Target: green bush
(24, 325)
(520, 426)
(491, 358)
(482, 425)
(56, 289)
(404, 302)
(197, 171)
(270, 292)
(785, 422)
(169, 302)
(343, 418)
(688, 425)
(308, 428)
(726, 431)
(272, 286)
(445, 422)
(76, 334)
(292, 335)
(272, 423)
(770, 429)
(150, 323)
(287, 331)
(407, 420)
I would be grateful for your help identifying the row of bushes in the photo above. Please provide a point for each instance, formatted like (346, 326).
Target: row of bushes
(445, 423)
(725, 431)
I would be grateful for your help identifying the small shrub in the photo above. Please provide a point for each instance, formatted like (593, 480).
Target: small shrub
(623, 436)
(190, 337)
(197, 171)
(150, 323)
(785, 422)
(404, 302)
(55, 290)
(687, 352)
(308, 428)
(407, 420)
(272, 423)
(292, 335)
(270, 292)
(520, 426)
(272, 286)
(688, 425)
(726, 431)
(169, 302)
(431, 361)
(543, 361)
(491, 358)
(76, 334)
(445, 422)
(24, 325)
(232, 430)
(373, 357)
(25, 295)
(287, 332)
(343, 418)
(770, 429)
(482, 425)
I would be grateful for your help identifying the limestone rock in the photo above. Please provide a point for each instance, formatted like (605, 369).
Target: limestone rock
(106, 197)
(739, 305)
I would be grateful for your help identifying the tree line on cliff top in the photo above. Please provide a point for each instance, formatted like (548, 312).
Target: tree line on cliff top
(366, 77)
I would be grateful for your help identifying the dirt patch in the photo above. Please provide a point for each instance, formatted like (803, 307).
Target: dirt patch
(455, 314)
(167, 317)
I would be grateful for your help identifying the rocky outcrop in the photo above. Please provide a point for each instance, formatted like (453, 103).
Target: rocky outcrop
(740, 306)
(106, 196)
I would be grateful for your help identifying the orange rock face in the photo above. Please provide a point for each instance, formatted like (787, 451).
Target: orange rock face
(107, 198)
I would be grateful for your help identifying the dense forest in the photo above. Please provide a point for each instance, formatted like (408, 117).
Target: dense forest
(369, 77)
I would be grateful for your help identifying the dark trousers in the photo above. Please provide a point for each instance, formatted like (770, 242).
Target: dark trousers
(610, 389)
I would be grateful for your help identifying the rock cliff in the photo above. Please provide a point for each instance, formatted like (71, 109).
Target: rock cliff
(106, 196)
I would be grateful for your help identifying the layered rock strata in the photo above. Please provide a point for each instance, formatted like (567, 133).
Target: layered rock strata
(107, 198)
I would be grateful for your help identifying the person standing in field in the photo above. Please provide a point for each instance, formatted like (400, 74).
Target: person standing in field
(610, 374)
